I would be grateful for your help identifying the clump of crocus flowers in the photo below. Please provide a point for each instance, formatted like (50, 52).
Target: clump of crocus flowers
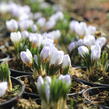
(5, 80)
(53, 91)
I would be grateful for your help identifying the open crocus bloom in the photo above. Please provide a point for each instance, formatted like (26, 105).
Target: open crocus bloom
(3, 88)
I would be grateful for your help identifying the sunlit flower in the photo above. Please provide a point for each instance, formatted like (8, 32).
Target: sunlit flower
(45, 53)
(12, 25)
(82, 50)
(15, 37)
(95, 52)
(25, 24)
(56, 57)
(26, 57)
(41, 22)
(90, 30)
(25, 34)
(66, 61)
(72, 45)
(65, 78)
(40, 82)
(101, 41)
(89, 40)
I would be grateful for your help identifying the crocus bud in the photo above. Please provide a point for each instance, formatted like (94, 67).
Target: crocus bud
(12, 25)
(15, 37)
(45, 53)
(72, 25)
(81, 28)
(56, 58)
(26, 57)
(66, 61)
(40, 82)
(82, 50)
(65, 78)
(101, 41)
(3, 88)
(95, 52)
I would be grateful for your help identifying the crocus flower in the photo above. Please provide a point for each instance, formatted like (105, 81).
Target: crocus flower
(12, 25)
(15, 37)
(26, 57)
(72, 45)
(41, 22)
(40, 82)
(36, 39)
(82, 50)
(72, 25)
(3, 88)
(95, 52)
(65, 78)
(56, 57)
(101, 41)
(50, 24)
(45, 53)
(25, 34)
(89, 40)
(66, 61)
(90, 30)
(25, 24)
(81, 28)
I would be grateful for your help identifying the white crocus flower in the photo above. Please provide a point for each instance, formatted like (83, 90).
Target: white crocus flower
(65, 78)
(56, 57)
(3, 88)
(47, 42)
(50, 24)
(37, 15)
(15, 37)
(89, 40)
(26, 57)
(101, 41)
(95, 52)
(25, 24)
(40, 82)
(41, 22)
(72, 46)
(66, 61)
(80, 28)
(45, 53)
(36, 39)
(82, 50)
(25, 34)
(72, 25)
(34, 28)
(90, 30)
(12, 25)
